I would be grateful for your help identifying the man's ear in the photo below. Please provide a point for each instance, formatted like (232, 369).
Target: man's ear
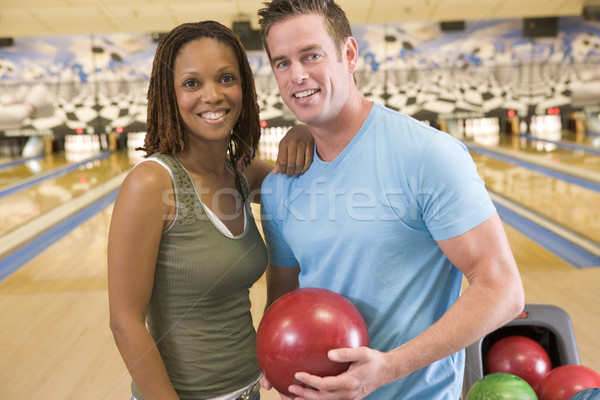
(351, 53)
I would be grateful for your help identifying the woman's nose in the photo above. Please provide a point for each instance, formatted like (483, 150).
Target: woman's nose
(211, 93)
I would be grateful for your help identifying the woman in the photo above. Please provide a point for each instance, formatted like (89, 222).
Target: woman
(183, 247)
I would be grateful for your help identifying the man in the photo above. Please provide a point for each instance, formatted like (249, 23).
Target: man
(391, 214)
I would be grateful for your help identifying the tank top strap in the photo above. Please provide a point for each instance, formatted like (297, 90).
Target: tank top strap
(186, 200)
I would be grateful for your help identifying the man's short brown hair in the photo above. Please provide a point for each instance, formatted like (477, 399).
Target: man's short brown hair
(275, 11)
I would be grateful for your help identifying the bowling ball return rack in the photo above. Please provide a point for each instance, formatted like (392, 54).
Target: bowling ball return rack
(549, 325)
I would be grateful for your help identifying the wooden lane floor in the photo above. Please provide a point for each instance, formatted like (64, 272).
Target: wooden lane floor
(557, 178)
(547, 279)
(16, 169)
(572, 153)
(54, 315)
(25, 205)
(567, 204)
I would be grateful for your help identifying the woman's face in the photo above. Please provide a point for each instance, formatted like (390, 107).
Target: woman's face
(208, 87)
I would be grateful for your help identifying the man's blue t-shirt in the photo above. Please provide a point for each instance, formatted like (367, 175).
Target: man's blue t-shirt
(365, 225)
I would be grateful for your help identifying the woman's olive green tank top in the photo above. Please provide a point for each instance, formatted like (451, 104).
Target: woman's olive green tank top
(199, 313)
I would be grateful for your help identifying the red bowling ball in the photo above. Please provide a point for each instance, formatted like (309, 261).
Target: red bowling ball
(520, 356)
(564, 381)
(298, 330)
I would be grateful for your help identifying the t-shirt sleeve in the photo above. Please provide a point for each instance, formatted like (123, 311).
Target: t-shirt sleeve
(452, 196)
(280, 253)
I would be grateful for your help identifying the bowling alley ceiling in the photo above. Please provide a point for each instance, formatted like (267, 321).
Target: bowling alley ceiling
(61, 17)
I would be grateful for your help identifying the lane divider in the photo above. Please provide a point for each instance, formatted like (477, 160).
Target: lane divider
(20, 161)
(565, 145)
(578, 250)
(26, 183)
(24, 243)
(570, 174)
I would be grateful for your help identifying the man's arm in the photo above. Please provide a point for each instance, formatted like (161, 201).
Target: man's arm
(494, 297)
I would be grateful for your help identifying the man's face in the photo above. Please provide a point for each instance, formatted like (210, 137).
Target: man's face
(313, 77)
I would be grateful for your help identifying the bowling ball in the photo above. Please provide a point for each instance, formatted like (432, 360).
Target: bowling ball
(299, 328)
(501, 385)
(564, 381)
(518, 355)
(587, 394)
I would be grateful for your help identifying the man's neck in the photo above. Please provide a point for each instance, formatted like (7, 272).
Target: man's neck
(332, 138)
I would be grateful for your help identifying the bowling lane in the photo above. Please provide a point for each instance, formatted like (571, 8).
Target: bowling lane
(567, 204)
(54, 316)
(549, 149)
(575, 292)
(25, 205)
(589, 139)
(30, 168)
(531, 257)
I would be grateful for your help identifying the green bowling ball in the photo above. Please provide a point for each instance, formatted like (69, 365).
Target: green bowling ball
(501, 386)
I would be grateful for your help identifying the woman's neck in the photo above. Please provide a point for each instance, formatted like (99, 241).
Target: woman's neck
(204, 158)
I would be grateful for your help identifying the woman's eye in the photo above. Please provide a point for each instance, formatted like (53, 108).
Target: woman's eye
(189, 84)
